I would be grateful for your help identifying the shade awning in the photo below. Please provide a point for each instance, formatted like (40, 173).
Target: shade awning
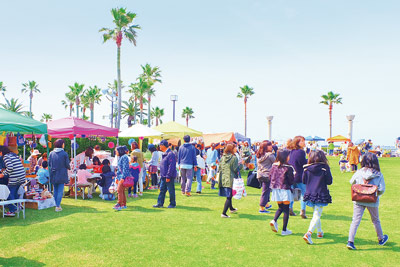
(314, 138)
(140, 130)
(175, 130)
(338, 138)
(14, 122)
(218, 137)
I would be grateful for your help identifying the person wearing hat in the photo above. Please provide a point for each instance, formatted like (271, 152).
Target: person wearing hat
(33, 162)
(168, 174)
(187, 162)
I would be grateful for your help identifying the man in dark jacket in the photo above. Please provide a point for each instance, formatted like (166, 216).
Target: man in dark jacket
(187, 162)
(168, 174)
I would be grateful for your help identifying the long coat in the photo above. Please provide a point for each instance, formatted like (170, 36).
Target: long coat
(353, 155)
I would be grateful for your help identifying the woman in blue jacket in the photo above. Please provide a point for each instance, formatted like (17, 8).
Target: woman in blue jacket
(58, 169)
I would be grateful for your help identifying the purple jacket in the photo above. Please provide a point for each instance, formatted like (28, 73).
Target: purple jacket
(317, 177)
(298, 160)
(281, 176)
(168, 165)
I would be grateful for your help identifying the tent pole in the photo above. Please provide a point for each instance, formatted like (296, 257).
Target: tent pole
(48, 151)
(75, 166)
(24, 152)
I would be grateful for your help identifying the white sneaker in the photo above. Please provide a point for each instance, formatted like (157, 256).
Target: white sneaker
(274, 226)
(224, 216)
(307, 238)
(287, 232)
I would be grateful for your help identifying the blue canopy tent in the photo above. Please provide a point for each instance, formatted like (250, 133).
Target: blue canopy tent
(241, 138)
(314, 138)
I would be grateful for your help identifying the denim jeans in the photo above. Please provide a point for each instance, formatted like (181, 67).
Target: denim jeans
(164, 186)
(13, 195)
(198, 179)
(358, 212)
(302, 187)
(265, 193)
(58, 193)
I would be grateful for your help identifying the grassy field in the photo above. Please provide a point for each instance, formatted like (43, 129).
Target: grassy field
(90, 233)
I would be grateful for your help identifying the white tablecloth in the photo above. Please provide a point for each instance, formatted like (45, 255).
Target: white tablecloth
(4, 192)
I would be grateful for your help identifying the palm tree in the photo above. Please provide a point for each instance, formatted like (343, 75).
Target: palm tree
(13, 105)
(3, 89)
(123, 27)
(157, 113)
(113, 92)
(245, 92)
(84, 105)
(69, 102)
(329, 99)
(188, 114)
(46, 117)
(76, 92)
(130, 110)
(31, 87)
(93, 96)
(142, 88)
(152, 76)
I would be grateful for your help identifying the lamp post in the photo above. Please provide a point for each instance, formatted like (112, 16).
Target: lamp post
(174, 98)
(269, 118)
(350, 118)
(110, 95)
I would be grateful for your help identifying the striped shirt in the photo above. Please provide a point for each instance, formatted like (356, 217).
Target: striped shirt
(14, 169)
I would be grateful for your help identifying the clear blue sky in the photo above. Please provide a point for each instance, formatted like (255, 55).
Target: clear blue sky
(290, 52)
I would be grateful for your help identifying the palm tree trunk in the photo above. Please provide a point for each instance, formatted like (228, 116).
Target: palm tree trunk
(92, 114)
(119, 86)
(30, 103)
(77, 109)
(148, 112)
(70, 110)
(330, 120)
(245, 117)
(156, 121)
(134, 112)
(141, 110)
(187, 120)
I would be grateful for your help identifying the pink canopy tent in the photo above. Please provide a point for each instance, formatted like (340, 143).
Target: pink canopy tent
(70, 127)
(73, 127)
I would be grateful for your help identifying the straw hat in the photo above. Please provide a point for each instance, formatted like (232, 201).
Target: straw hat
(35, 153)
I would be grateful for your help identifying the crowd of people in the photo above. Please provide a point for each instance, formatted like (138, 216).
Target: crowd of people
(280, 172)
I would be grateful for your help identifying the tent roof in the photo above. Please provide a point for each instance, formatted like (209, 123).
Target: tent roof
(338, 138)
(240, 138)
(173, 129)
(314, 138)
(140, 130)
(67, 127)
(218, 137)
(14, 122)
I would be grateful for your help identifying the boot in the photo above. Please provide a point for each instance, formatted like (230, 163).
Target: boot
(303, 214)
(291, 212)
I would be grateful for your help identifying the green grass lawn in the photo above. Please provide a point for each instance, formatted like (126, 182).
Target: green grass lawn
(90, 233)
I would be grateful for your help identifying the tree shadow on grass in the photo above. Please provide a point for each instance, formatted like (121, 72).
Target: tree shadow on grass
(336, 217)
(190, 208)
(19, 261)
(37, 216)
(253, 217)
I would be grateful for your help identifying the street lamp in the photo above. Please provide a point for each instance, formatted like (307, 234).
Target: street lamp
(110, 95)
(269, 119)
(174, 98)
(350, 118)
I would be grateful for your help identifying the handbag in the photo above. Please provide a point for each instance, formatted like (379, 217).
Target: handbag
(3, 138)
(252, 180)
(128, 181)
(367, 193)
(113, 188)
(238, 189)
(20, 139)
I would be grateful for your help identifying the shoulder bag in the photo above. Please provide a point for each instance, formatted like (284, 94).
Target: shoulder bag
(367, 193)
